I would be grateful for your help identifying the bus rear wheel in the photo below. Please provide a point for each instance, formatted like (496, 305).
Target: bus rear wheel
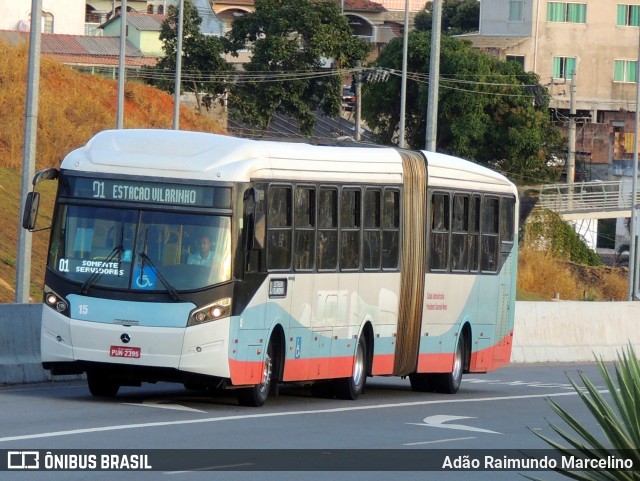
(255, 396)
(350, 388)
(101, 386)
(449, 383)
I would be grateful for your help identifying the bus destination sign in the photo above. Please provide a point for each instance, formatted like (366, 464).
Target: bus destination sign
(125, 190)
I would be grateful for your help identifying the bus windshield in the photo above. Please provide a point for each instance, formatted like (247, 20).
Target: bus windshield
(133, 249)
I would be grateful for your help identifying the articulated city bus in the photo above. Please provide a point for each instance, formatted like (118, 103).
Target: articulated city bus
(215, 261)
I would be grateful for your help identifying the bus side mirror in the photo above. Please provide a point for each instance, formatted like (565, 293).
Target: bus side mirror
(30, 214)
(45, 174)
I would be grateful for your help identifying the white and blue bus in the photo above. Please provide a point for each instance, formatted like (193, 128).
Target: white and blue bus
(216, 261)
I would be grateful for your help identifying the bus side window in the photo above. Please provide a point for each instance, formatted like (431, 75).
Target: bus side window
(372, 233)
(390, 228)
(327, 250)
(439, 246)
(489, 248)
(459, 230)
(279, 228)
(350, 229)
(507, 207)
(474, 233)
(305, 224)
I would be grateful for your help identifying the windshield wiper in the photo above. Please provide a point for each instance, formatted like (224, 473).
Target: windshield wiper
(147, 260)
(99, 272)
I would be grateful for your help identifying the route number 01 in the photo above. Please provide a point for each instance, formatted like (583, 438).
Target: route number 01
(98, 189)
(63, 265)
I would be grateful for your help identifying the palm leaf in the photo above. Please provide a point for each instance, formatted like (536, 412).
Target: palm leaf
(618, 418)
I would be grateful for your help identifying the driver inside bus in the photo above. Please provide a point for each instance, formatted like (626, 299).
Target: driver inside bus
(203, 256)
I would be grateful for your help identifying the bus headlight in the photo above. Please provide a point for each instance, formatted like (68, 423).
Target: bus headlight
(212, 312)
(55, 302)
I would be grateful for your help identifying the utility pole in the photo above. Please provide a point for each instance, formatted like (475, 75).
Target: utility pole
(121, 65)
(403, 89)
(358, 100)
(176, 95)
(23, 265)
(571, 157)
(633, 231)
(434, 77)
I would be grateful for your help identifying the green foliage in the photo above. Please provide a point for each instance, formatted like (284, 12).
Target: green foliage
(458, 16)
(545, 230)
(619, 420)
(292, 35)
(201, 57)
(489, 111)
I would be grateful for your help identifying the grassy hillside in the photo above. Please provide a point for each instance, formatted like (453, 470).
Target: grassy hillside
(72, 108)
(554, 259)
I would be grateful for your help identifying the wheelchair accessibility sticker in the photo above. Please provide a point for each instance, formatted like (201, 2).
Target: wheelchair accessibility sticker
(144, 279)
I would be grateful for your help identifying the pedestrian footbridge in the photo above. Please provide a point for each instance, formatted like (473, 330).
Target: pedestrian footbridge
(589, 200)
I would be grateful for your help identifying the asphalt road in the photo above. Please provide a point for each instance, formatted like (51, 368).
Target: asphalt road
(387, 431)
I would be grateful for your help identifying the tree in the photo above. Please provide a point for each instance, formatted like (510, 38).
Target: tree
(458, 16)
(292, 36)
(201, 57)
(489, 111)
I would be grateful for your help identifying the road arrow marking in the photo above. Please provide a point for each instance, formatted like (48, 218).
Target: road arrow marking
(439, 420)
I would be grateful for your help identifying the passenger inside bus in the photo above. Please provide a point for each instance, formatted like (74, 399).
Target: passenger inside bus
(213, 250)
(202, 255)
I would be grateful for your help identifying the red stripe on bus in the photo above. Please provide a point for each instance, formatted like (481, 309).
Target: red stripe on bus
(245, 372)
(382, 364)
(318, 368)
(492, 357)
(435, 362)
(250, 372)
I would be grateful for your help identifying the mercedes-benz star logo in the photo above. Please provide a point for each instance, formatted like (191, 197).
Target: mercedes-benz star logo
(125, 338)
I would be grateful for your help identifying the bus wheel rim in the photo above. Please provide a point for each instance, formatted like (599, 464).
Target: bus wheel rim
(358, 368)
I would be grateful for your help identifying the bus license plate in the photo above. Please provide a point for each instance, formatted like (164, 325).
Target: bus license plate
(120, 351)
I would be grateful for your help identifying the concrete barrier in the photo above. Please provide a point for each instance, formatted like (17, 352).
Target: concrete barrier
(544, 332)
(573, 331)
(20, 344)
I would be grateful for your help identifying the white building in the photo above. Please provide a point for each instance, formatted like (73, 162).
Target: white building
(61, 17)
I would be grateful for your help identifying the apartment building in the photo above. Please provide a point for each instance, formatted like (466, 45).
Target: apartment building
(599, 41)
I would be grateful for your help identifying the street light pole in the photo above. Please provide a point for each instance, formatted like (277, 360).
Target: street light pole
(176, 95)
(403, 90)
(633, 231)
(23, 261)
(434, 77)
(571, 152)
(121, 64)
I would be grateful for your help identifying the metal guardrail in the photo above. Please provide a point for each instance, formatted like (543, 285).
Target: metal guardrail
(587, 197)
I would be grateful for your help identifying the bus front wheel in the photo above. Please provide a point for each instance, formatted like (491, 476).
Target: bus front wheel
(350, 388)
(256, 396)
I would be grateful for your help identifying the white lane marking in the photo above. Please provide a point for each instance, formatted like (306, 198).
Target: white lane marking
(439, 421)
(121, 427)
(163, 405)
(439, 441)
